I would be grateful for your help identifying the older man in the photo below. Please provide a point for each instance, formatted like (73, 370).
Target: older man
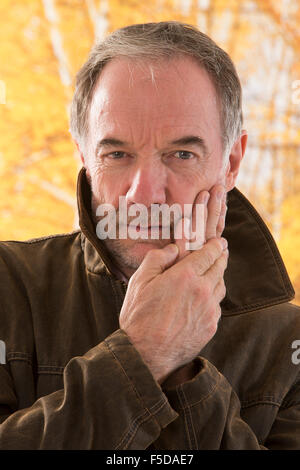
(131, 342)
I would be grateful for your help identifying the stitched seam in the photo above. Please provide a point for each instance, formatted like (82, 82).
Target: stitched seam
(215, 387)
(50, 372)
(131, 384)
(41, 239)
(44, 369)
(23, 357)
(19, 354)
(131, 431)
(41, 369)
(188, 413)
(152, 408)
(262, 402)
(187, 419)
(118, 303)
(267, 237)
(261, 399)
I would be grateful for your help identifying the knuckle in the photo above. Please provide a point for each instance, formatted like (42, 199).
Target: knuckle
(215, 317)
(209, 257)
(218, 212)
(217, 246)
(212, 328)
(225, 260)
(223, 291)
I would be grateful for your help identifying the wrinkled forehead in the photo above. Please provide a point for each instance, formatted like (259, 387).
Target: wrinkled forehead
(134, 89)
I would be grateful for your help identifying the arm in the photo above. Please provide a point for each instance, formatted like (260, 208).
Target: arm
(209, 409)
(109, 401)
(210, 416)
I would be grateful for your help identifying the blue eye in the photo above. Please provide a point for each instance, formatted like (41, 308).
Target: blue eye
(117, 155)
(184, 155)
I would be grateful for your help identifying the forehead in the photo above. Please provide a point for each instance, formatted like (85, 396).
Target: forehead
(174, 92)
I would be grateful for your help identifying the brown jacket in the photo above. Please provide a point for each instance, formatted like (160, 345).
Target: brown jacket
(73, 380)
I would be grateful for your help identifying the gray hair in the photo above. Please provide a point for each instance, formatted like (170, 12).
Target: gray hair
(156, 41)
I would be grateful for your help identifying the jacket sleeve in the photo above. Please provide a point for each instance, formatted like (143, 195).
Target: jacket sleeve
(109, 401)
(210, 417)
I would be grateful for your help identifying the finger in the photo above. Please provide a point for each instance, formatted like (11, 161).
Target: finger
(200, 261)
(222, 218)
(189, 232)
(198, 225)
(156, 262)
(214, 210)
(216, 271)
(179, 238)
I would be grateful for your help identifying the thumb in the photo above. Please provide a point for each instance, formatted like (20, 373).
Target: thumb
(158, 260)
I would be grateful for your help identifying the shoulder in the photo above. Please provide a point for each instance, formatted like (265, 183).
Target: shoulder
(15, 253)
(36, 243)
(285, 312)
(27, 271)
(26, 266)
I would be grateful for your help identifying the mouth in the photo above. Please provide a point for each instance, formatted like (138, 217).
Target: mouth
(146, 228)
(155, 232)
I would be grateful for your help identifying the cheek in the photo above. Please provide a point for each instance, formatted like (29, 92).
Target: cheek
(106, 188)
(183, 188)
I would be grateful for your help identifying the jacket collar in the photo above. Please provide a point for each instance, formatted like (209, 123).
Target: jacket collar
(255, 277)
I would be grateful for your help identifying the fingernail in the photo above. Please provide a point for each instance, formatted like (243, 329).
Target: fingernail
(173, 249)
(206, 198)
(224, 243)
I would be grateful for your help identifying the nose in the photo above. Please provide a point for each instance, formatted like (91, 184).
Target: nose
(148, 185)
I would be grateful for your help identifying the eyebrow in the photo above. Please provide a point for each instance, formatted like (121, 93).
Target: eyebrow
(109, 142)
(191, 140)
(185, 140)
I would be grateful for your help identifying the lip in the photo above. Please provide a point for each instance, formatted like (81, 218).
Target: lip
(148, 227)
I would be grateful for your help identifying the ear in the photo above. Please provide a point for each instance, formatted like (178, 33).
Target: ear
(236, 155)
(80, 153)
(84, 160)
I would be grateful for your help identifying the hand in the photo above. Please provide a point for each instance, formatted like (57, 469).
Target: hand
(214, 211)
(217, 209)
(171, 309)
(214, 219)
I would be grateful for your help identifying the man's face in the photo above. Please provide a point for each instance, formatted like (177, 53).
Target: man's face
(163, 141)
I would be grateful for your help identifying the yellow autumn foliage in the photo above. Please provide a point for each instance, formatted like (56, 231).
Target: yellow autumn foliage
(44, 42)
